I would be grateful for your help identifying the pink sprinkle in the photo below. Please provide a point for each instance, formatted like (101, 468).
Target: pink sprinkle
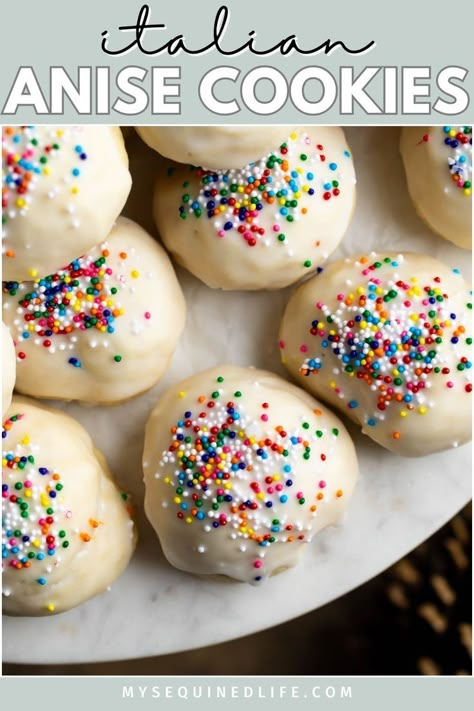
(322, 484)
(279, 487)
(365, 272)
(281, 344)
(12, 542)
(221, 233)
(270, 490)
(276, 228)
(319, 304)
(147, 315)
(450, 384)
(304, 349)
(28, 484)
(258, 564)
(264, 418)
(299, 494)
(340, 297)
(407, 303)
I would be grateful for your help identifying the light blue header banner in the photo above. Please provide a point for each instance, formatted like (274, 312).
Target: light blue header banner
(236, 62)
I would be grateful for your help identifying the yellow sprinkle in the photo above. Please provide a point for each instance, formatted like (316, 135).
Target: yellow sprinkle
(20, 202)
(28, 493)
(36, 543)
(33, 273)
(60, 132)
(403, 413)
(25, 439)
(260, 495)
(50, 607)
(333, 384)
(182, 393)
(74, 189)
(294, 136)
(46, 171)
(167, 480)
(177, 500)
(467, 191)
(189, 520)
(422, 410)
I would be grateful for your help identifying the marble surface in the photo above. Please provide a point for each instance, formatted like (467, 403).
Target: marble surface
(153, 609)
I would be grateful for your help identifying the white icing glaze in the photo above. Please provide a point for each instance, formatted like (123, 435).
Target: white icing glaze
(436, 174)
(8, 368)
(70, 200)
(76, 536)
(260, 238)
(363, 338)
(140, 312)
(214, 147)
(287, 463)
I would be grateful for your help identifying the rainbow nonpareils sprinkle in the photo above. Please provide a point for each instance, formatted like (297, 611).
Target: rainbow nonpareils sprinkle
(78, 298)
(234, 200)
(391, 334)
(226, 469)
(34, 520)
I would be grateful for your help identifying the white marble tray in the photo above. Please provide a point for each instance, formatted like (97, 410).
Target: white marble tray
(153, 609)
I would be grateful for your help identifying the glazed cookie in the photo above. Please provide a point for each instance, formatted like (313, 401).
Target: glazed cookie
(66, 529)
(104, 328)
(242, 469)
(214, 147)
(386, 339)
(8, 368)
(62, 189)
(438, 165)
(266, 225)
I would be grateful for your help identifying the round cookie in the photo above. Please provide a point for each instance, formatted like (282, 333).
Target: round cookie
(8, 368)
(62, 189)
(66, 529)
(386, 339)
(242, 469)
(438, 166)
(104, 328)
(214, 147)
(264, 226)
